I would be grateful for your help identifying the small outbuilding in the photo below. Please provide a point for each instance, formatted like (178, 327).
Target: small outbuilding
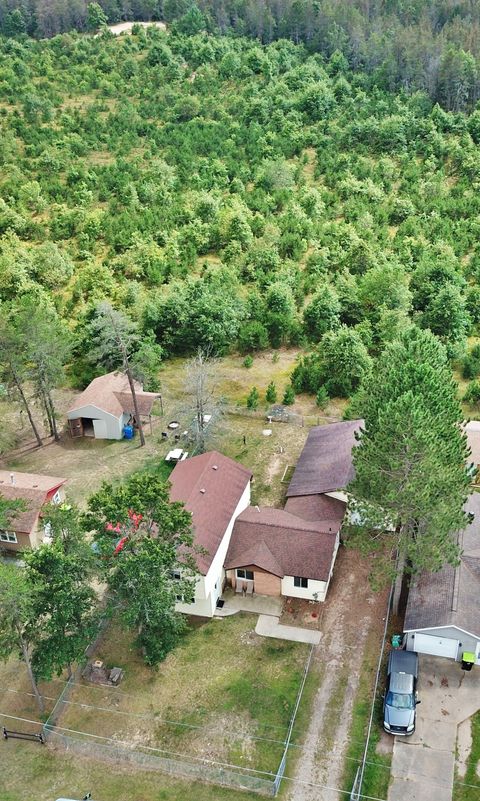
(105, 407)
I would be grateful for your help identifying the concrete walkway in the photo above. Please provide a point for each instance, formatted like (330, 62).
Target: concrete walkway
(256, 604)
(423, 765)
(269, 626)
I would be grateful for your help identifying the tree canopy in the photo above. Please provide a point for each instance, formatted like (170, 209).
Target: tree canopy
(147, 546)
(411, 481)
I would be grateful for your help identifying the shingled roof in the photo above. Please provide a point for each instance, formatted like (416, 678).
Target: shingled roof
(31, 488)
(111, 393)
(211, 486)
(317, 507)
(282, 543)
(450, 597)
(325, 463)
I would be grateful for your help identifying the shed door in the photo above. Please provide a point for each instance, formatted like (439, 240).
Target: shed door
(436, 646)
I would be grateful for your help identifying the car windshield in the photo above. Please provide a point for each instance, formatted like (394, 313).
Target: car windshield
(400, 701)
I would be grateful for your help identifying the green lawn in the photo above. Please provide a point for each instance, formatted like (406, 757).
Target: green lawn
(224, 694)
(31, 772)
(461, 792)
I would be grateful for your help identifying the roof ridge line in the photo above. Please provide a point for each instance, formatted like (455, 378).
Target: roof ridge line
(275, 525)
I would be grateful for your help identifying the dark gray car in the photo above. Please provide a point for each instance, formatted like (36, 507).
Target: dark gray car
(400, 698)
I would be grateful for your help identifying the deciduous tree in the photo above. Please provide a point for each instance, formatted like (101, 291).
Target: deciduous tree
(154, 564)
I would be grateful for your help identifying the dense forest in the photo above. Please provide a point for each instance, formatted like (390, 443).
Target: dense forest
(224, 193)
(431, 45)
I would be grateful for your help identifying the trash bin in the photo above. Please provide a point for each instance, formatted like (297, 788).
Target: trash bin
(128, 432)
(468, 660)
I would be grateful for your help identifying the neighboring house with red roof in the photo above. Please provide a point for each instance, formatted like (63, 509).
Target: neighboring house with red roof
(25, 529)
(215, 490)
(105, 407)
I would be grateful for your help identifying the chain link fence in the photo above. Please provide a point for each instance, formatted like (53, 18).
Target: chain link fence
(121, 753)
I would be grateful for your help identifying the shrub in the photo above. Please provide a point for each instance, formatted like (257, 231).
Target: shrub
(271, 393)
(253, 398)
(289, 396)
(472, 394)
(322, 398)
(247, 362)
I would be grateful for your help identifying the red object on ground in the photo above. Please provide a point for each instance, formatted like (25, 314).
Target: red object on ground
(120, 545)
(314, 614)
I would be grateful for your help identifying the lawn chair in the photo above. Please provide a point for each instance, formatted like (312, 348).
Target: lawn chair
(250, 588)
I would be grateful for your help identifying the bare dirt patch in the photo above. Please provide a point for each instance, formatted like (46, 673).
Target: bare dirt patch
(351, 622)
(464, 746)
(126, 27)
(303, 613)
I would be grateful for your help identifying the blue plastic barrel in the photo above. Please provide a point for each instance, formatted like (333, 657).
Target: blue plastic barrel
(128, 432)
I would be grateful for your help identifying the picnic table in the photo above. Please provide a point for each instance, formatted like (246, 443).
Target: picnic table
(176, 455)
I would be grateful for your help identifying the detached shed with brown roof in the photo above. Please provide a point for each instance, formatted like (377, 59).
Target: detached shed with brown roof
(24, 530)
(443, 608)
(273, 552)
(106, 406)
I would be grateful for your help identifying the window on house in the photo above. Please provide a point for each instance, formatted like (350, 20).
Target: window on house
(8, 536)
(245, 574)
(299, 581)
(56, 497)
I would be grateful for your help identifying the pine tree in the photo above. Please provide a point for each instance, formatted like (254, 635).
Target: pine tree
(410, 463)
(253, 398)
(271, 393)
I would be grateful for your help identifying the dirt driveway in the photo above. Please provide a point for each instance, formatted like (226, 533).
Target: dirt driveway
(352, 621)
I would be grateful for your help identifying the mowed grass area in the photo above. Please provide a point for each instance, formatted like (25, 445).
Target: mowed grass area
(228, 692)
(224, 694)
(461, 789)
(30, 772)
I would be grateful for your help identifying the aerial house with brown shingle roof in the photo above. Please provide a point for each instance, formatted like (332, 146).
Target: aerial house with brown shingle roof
(105, 407)
(25, 529)
(215, 490)
(273, 552)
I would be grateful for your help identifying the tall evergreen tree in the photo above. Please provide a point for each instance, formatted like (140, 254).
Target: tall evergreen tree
(13, 369)
(44, 344)
(411, 482)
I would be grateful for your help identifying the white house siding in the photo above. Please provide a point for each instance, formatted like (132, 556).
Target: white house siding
(201, 605)
(316, 590)
(109, 426)
(468, 642)
(209, 587)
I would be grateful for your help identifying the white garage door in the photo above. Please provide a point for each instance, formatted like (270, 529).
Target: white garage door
(436, 646)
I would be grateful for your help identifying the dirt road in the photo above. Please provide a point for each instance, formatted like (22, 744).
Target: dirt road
(352, 621)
